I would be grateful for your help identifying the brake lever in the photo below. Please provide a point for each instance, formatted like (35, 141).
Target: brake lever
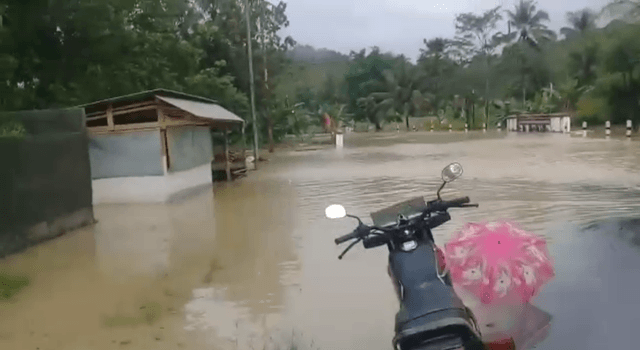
(349, 247)
(469, 206)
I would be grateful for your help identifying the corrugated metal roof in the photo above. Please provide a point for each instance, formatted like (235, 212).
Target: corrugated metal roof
(203, 110)
(146, 94)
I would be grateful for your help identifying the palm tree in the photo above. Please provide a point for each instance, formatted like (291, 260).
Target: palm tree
(434, 61)
(580, 21)
(397, 94)
(583, 64)
(530, 29)
(528, 21)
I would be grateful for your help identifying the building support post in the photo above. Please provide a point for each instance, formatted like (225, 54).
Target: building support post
(226, 154)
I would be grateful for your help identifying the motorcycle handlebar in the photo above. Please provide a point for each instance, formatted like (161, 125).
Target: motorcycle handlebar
(443, 205)
(440, 205)
(347, 237)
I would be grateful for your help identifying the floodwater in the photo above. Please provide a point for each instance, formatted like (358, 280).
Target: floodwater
(252, 264)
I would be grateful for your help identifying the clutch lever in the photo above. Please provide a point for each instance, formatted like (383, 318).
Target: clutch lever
(349, 247)
(469, 206)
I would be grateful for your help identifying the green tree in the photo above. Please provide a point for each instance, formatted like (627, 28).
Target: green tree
(364, 76)
(581, 22)
(477, 35)
(436, 61)
(397, 93)
(628, 10)
(529, 24)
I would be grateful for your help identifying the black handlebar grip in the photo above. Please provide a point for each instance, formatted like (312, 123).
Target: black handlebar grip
(438, 220)
(457, 201)
(347, 237)
(374, 241)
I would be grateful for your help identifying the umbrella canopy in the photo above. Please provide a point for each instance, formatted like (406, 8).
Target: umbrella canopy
(498, 262)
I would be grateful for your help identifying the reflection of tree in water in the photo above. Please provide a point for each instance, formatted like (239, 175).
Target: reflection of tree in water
(253, 251)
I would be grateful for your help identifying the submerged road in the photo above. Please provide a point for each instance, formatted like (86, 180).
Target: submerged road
(253, 262)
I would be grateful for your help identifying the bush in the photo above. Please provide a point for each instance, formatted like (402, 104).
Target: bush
(11, 128)
(593, 110)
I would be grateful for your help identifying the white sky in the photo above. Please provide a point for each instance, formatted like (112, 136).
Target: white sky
(397, 25)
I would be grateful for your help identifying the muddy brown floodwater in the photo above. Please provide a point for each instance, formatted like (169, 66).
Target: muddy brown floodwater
(253, 262)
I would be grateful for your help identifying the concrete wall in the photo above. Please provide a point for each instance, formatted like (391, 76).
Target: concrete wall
(567, 124)
(512, 124)
(189, 147)
(132, 154)
(557, 124)
(150, 189)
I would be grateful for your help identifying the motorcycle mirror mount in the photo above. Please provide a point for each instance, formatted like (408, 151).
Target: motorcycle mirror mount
(449, 174)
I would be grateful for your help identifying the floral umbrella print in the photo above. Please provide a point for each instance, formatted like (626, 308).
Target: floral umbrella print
(497, 260)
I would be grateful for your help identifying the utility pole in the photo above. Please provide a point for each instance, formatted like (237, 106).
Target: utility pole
(251, 84)
(266, 76)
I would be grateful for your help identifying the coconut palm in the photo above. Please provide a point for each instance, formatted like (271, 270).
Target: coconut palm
(528, 22)
(397, 94)
(580, 21)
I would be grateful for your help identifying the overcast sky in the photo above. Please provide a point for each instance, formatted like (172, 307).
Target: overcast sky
(397, 25)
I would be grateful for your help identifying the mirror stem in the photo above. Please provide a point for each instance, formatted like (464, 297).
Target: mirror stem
(355, 217)
(440, 189)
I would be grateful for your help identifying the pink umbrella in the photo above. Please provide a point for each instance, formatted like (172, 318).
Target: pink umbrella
(498, 262)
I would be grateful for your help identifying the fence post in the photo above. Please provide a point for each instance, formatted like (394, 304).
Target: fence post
(628, 128)
(432, 126)
(499, 126)
(450, 128)
(607, 130)
(484, 127)
(339, 140)
(584, 129)
(466, 128)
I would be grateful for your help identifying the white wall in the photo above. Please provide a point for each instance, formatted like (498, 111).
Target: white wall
(149, 189)
(567, 123)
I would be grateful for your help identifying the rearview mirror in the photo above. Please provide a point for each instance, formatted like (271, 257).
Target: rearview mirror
(451, 172)
(335, 211)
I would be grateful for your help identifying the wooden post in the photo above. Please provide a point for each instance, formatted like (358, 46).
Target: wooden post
(110, 117)
(164, 139)
(226, 154)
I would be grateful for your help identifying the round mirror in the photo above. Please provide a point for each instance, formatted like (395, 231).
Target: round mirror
(451, 172)
(335, 211)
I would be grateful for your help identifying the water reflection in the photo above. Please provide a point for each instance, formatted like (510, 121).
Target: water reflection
(251, 262)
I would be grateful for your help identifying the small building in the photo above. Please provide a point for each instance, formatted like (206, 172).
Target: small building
(152, 145)
(554, 122)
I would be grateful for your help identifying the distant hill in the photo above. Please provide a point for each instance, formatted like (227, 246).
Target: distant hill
(310, 67)
(312, 75)
(309, 54)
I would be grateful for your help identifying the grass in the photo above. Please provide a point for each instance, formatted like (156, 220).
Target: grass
(11, 285)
